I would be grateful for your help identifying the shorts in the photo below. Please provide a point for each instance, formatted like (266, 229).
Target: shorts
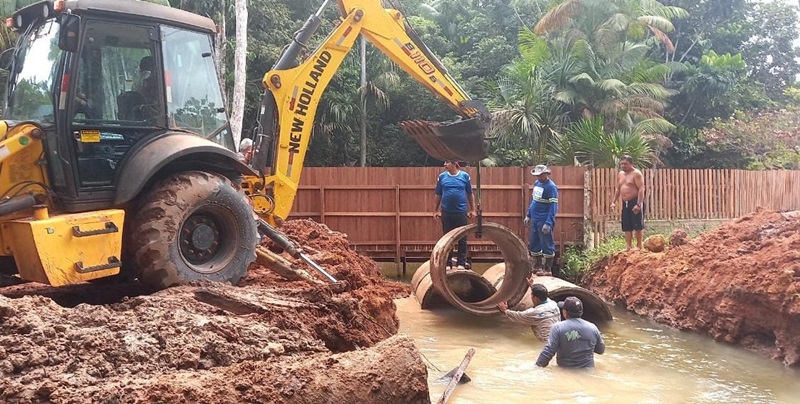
(630, 220)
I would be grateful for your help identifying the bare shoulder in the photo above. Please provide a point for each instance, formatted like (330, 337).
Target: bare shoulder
(637, 173)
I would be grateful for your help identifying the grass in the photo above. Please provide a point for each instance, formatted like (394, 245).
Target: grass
(578, 261)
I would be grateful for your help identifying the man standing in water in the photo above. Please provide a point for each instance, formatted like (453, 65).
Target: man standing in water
(541, 317)
(630, 186)
(575, 340)
(453, 193)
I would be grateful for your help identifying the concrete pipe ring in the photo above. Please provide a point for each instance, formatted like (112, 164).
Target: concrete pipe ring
(515, 257)
(465, 284)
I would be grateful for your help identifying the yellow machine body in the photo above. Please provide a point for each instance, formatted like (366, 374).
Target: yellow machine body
(66, 249)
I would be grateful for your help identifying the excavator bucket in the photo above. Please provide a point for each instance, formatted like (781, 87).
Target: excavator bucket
(463, 140)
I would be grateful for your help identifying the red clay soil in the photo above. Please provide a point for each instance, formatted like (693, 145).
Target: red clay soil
(268, 340)
(739, 284)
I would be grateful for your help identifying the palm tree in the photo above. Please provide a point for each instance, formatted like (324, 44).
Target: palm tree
(606, 22)
(529, 117)
(601, 54)
(586, 142)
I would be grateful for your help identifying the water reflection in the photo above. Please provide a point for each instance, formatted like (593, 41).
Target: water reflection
(644, 363)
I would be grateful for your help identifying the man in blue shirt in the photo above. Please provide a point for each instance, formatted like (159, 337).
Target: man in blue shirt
(453, 193)
(541, 216)
(574, 340)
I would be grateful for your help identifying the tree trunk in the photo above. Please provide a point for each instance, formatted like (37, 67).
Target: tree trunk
(221, 49)
(239, 80)
(392, 371)
(363, 159)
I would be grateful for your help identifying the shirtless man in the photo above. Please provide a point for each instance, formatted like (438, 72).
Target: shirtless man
(630, 186)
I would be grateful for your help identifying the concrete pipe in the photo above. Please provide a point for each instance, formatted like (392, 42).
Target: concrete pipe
(495, 275)
(515, 257)
(594, 308)
(467, 285)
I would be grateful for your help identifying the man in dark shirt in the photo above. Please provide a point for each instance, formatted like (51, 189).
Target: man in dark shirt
(574, 340)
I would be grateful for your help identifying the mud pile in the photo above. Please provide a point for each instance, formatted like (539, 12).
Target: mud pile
(739, 283)
(268, 340)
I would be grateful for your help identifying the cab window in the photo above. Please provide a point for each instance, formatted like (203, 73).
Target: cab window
(117, 100)
(117, 81)
(194, 98)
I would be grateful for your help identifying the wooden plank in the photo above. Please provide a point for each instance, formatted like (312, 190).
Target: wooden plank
(457, 376)
(720, 194)
(732, 193)
(678, 194)
(694, 192)
(717, 191)
(687, 193)
(683, 202)
(690, 194)
(713, 191)
(656, 207)
(669, 197)
(322, 204)
(697, 191)
(397, 228)
(658, 191)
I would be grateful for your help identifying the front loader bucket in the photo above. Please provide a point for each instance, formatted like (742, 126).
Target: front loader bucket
(463, 140)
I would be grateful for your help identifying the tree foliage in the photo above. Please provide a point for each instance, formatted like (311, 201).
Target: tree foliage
(654, 73)
(756, 140)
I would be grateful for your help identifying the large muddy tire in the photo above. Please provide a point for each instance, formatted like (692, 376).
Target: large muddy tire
(193, 226)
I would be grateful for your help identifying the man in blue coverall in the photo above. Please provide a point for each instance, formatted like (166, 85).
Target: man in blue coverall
(541, 217)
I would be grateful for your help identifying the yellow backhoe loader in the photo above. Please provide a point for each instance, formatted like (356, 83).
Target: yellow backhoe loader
(116, 156)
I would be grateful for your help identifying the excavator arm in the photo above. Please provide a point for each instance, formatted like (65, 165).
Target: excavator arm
(293, 92)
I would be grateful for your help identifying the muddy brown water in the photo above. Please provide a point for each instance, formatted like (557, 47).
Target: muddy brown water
(645, 362)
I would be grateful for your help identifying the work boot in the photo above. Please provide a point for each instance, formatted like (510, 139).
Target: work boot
(537, 264)
(548, 263)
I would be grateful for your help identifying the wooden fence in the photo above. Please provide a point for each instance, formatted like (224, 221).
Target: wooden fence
(675, 195)
(387, 213)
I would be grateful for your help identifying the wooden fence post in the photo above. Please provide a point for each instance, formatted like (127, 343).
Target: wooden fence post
(588, 229)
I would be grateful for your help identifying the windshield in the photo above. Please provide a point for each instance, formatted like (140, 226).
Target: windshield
(194, 98)
(33, 74)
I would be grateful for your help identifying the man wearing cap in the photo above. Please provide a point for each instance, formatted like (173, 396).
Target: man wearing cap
(574, 341)
(541, 317)
(453, 193)
(541, 216)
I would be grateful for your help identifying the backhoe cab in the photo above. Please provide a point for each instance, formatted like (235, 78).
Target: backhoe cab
(294, 89)
(115, 149)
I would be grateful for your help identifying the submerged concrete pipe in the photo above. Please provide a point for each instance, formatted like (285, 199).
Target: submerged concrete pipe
(515, 257)
(467, 285)
(594, 308)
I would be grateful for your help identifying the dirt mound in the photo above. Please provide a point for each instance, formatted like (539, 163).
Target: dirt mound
(269, 340)
(678, 238)
(739, 283)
